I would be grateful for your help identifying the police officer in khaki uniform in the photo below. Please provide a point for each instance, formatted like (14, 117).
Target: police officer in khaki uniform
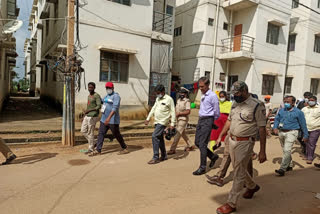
(247, 113)
(183, 111)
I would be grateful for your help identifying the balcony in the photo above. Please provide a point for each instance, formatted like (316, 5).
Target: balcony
(239, 4)
(162, 23)
(237, 48)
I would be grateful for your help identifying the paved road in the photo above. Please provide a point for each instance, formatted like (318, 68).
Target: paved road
(54, 179)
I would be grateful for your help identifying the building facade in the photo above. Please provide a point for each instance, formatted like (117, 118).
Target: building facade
(8, 10)
(251, 45)
(133, 51)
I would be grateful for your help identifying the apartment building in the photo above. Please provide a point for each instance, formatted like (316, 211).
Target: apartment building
(8, 10)
(303, 72)
(127, 42)
(251, 45)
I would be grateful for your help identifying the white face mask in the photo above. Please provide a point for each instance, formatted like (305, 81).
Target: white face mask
(109, 91)
(159, 96)
(222, 99)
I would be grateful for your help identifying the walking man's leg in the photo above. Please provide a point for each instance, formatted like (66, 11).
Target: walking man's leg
(85, 127)
(115, 129)
(156, 141)
(177, 137)
(102, 131)
(311, 145)
(290, 138)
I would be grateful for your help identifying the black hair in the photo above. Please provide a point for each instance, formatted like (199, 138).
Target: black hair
(314, 97)
(293, 98)
(205, 80)
(224, 93)
(159, 88)
(307, 94)
(92, 83)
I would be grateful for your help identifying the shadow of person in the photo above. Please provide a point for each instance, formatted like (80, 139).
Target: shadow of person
(278, 160)
(33, 158)
(116, 148)
(180, 154)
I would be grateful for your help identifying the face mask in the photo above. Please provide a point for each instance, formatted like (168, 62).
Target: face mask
(238, 99)
(109, 91)
(306, 100)
(287, 105)
(159, 96)
(312, 103)
(222, 99)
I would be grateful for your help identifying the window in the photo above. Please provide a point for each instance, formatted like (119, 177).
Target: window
(11, 8)
(231, 80)
(273, 34)
(210, 21)
(268, 84)
(318, 3)
(287, 85)
(46, 73)
(114, 67)
(177, 31)
(47, 27)
(125, 2)
(169, 10)
(56, 11)
(295, 3)
(317, 44)
(314, 86)
(225, 26)
(292, 42)
(207, 74)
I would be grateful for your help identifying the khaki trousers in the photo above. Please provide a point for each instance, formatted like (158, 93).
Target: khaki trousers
(240, 153)
(87, 129)
(4, 149)
(181, 132)
(287, 140)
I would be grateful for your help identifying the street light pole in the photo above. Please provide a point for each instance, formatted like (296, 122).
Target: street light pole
(68, 124)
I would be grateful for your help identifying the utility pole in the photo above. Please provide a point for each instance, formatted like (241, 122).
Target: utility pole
(68, 123)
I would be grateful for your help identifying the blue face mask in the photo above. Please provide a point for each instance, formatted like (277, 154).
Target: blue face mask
(287, 105)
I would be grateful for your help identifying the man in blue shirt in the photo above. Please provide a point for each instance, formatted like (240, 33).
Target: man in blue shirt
(110, 119)
(287, 124)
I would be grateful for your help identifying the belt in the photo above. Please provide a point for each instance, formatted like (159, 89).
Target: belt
(206, 117)
(287, 130)
(241, 138)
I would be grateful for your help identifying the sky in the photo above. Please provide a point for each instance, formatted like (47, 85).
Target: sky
(23, 33)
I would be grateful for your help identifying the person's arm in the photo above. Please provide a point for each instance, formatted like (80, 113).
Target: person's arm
(303, 126)
(172, 113)
(277, 122)
(115, 107)
(224, 131)
(185, 112)
(216, 107)
(151, 113)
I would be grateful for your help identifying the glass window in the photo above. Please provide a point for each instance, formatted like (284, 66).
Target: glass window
(268, 84)
(317, 44)
(177, 31)
(125, 2)
(318, 3)
(314, 86)
(295, 3)
(169, 10)
(225, 26)
(11, 8)
(210, 21)
(114, 67)
(287, 85)
(273, 34)
(292, 42)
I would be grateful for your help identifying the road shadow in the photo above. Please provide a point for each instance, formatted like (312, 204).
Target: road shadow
(180, 154)
(107, 149)
(293, 193)
(33, 158)
(278, 161)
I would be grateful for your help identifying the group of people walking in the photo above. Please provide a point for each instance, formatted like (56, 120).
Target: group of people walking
(239, 124)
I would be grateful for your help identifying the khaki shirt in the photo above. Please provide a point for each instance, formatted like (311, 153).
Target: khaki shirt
(244, 122)
(182, 105)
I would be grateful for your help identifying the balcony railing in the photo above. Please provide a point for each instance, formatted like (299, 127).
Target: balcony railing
(162, 22)
(237, 43)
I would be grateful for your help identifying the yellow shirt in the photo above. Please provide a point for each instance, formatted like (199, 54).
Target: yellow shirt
(312, 115)
(163, 110)
(225, 107)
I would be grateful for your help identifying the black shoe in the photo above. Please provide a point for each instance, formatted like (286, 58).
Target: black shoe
(9, 160)
(199, 171)
(317, 165)
(280, 172)
(213, 161)
(163, 158)
(289, 168)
